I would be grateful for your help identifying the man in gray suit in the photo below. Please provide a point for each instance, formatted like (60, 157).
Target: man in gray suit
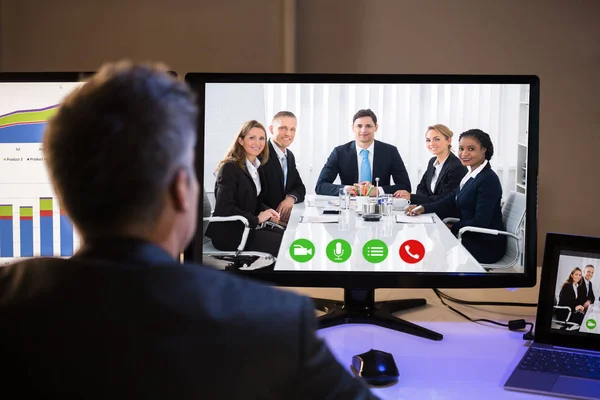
(122, 318)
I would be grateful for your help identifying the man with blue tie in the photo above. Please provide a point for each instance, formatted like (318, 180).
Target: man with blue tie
(283, 182)
(363, 160)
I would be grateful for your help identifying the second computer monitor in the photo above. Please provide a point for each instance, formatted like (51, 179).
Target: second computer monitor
(384, 140)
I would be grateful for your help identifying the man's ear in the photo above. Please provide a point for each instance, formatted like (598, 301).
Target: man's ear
(271, 129)
(179, 190)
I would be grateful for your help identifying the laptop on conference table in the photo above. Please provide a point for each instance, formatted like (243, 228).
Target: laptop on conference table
(564, 358)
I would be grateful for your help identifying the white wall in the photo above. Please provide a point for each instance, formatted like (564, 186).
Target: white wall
(404, 112)
(566, 265)
(228, 106)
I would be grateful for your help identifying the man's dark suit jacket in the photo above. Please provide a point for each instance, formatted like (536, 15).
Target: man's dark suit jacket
(343, 162)
(477, 204)
(121, 319)
(582, 292)
(274, 178)
(235, 194)
(447, 182)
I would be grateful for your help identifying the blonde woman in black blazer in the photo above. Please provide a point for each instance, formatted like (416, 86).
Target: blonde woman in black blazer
(447, 177)
(570, 296)
(239, 190)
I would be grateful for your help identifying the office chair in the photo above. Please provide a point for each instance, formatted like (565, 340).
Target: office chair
(231, 259)
(513, 217)
(565, 324)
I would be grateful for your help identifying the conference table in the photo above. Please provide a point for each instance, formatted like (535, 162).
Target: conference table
(443, 252)
(591, 319)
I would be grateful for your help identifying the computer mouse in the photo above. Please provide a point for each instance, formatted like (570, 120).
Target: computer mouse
(376, 367)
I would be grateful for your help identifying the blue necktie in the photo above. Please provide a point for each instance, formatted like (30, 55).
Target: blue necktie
(365, 168)
(284, 167)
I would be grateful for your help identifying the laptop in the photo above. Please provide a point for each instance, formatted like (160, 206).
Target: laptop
(564, 358)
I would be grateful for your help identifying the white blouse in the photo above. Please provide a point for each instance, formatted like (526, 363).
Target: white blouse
(473, 174)
(253, 171)
(436, 173)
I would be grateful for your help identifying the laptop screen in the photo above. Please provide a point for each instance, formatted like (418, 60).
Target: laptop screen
(577, 290)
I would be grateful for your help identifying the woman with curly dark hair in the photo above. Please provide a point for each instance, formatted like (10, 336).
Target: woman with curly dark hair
(476, 200)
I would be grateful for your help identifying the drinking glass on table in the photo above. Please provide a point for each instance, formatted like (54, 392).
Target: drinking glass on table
(344, 219)
(344, 199)
(386, 201)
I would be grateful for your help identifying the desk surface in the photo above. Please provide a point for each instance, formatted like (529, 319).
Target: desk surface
(443, 251)
(473, 361)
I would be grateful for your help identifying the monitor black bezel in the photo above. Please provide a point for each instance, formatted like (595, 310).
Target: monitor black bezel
(24, 77)
(368, 280)
(555, 244)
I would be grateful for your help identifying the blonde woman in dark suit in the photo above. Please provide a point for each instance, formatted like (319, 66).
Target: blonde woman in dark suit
(240, 189)
(444, 171)
(570, 296)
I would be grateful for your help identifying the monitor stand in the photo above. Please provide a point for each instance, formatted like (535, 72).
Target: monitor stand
(359, 307)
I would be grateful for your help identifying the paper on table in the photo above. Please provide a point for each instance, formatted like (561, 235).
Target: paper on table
(415, 219)
(322, 219)
(322, 203)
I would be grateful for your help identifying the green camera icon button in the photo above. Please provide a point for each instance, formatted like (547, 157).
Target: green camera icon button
(302, 250)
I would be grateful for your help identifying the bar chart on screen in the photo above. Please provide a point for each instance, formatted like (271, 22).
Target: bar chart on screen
(31, 220)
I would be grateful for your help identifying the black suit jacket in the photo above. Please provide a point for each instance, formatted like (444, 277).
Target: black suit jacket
(343, 162)
(122, 319)
(589, 295)
(274, 178)
(567, 297)
(447, 182)
(235, 194)
(477, 204)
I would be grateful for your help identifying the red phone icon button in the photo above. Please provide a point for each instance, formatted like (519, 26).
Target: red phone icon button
(412, 251)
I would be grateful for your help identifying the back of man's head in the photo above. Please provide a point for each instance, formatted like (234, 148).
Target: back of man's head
(115, 144)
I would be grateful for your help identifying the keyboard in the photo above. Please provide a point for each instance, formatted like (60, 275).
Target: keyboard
(562, 362)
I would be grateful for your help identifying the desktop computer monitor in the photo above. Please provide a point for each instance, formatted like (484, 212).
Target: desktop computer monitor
(359, 242)
(31, 221)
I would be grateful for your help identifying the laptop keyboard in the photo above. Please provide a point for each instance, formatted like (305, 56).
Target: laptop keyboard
(562, 362)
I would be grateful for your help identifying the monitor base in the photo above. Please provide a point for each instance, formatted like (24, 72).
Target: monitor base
(359, 307)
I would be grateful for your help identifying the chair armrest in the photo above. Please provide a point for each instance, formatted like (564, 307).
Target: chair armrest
(450, 220)
(564, 308)
(229, 218)
(486, 231)
(233, 218)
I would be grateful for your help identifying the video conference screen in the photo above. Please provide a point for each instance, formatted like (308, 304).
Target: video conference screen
(328, 176)
(31, 221)
(577, 293)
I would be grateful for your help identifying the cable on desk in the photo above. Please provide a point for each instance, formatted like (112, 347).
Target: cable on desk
(513, 325)
(482, 303)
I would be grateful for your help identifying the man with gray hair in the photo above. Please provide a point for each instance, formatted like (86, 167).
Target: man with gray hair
(585, 288)
(123, 318)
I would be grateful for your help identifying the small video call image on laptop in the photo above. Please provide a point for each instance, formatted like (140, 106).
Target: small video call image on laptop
(576, 306)
(564, 359)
